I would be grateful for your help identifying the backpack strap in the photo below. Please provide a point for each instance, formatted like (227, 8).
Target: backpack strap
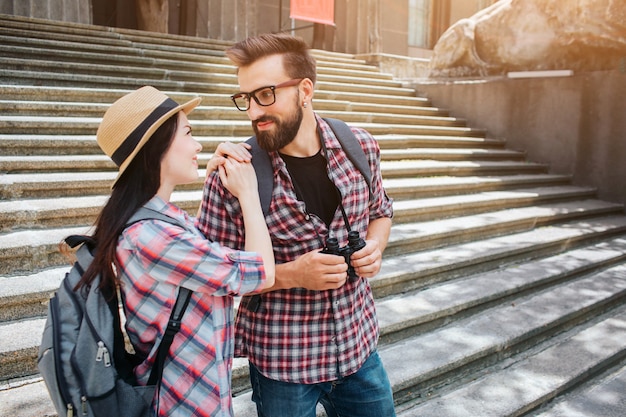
(265, 173)
(173, 326)
(352, 148)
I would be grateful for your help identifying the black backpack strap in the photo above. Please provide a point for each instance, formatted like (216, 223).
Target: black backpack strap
(264, 173)
(352, 148)
(173, 326)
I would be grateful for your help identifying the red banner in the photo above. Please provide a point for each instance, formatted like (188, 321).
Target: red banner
(318, 11)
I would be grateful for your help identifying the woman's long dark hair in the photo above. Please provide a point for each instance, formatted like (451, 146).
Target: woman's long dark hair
(137, 185)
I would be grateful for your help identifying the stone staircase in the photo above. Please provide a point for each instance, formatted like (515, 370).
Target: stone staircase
(503, 289)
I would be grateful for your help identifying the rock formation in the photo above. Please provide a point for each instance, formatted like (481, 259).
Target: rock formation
(531, 35)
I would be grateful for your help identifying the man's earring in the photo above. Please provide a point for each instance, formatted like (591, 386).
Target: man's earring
(304, 104)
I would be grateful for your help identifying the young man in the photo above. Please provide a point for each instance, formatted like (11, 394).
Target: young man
(312, 337)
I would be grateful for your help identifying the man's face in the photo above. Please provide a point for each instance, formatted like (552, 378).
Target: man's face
(276, 125)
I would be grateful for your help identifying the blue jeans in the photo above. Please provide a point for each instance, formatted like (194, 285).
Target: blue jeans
(367, 393)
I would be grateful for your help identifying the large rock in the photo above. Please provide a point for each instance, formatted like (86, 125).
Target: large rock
(525, 35)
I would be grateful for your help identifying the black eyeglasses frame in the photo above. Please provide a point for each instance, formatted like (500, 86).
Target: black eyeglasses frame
(252, 94)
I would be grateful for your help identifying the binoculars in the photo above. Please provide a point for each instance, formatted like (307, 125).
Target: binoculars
(355, 243)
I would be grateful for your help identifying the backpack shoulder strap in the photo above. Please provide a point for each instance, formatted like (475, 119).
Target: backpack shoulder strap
(173, 325)
(264, 173)
(145, 213)
(352, 148)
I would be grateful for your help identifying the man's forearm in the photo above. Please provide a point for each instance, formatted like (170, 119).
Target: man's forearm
(379, 230)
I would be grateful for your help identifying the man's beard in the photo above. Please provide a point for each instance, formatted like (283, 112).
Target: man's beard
(284, 132)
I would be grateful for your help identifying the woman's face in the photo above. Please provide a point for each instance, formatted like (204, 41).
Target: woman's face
(180, 163)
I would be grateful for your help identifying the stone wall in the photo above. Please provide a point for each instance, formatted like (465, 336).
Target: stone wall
(77, 11)
(575, 124)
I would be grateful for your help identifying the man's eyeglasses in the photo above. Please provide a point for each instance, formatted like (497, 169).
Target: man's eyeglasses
(264, 96)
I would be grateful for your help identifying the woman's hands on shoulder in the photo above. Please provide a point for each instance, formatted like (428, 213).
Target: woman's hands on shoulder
(240, 152)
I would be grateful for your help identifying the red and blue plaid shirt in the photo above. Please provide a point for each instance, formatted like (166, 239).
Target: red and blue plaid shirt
(157, 257)
(298, 335)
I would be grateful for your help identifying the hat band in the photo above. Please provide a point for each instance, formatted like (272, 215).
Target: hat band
(130, 143)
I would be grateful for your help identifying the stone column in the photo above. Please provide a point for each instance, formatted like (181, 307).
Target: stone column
(153, 15)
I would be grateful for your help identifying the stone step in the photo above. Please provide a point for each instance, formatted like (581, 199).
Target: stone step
(420, 364)
(420, 269)
(25, 295)
(66, 144)
(38, 125)
(400, 316)
(56, 163)
(525, 385)
(602, 397)
(150, 69)
(175, 80)
(64, 184)
(46, 212)
(441, 231)
(78, 32)
(22, 110)
(126, 55)
(213, 105)
(168, 45)
(423, 364)
(33, 248)
(338, 100)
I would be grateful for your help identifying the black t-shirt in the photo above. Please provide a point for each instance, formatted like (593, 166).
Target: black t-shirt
(313, 185)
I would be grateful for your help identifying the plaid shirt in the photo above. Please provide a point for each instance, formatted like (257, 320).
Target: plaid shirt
(156, 258)
(298, 335)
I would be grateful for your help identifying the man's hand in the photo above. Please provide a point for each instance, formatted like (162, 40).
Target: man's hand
(314, 271)
(367, 261)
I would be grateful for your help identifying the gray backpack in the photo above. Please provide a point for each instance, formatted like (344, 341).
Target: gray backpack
(82, 357)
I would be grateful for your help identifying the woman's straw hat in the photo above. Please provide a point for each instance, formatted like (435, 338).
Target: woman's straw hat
(130, 122)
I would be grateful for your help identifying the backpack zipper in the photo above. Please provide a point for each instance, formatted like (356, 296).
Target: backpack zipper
(103, 353)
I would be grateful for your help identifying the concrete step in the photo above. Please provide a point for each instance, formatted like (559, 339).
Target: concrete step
(420, 269)
(437, 208)
(175, 80)
(400, 316)
(336, 99)
(225, 111)
(66, 144)
(21, 293)
(525, 385)
(33, 248)
(211, 105)
(127, 55)
(63, 184)
(420, 364)
(56, 163)
(602, 397)
(41, 125)
(56, 211)
(150, 69)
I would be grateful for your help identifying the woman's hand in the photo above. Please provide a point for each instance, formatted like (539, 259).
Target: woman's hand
(239, 178)
(237, 151)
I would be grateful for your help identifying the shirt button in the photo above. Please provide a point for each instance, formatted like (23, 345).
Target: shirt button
(307, 217)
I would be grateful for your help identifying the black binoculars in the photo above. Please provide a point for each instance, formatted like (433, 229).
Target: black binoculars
(355, 243)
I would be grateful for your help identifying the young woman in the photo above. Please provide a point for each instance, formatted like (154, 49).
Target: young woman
(148, 136)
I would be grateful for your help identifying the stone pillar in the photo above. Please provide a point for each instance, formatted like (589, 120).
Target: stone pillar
(153, 15)
(77, 11)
